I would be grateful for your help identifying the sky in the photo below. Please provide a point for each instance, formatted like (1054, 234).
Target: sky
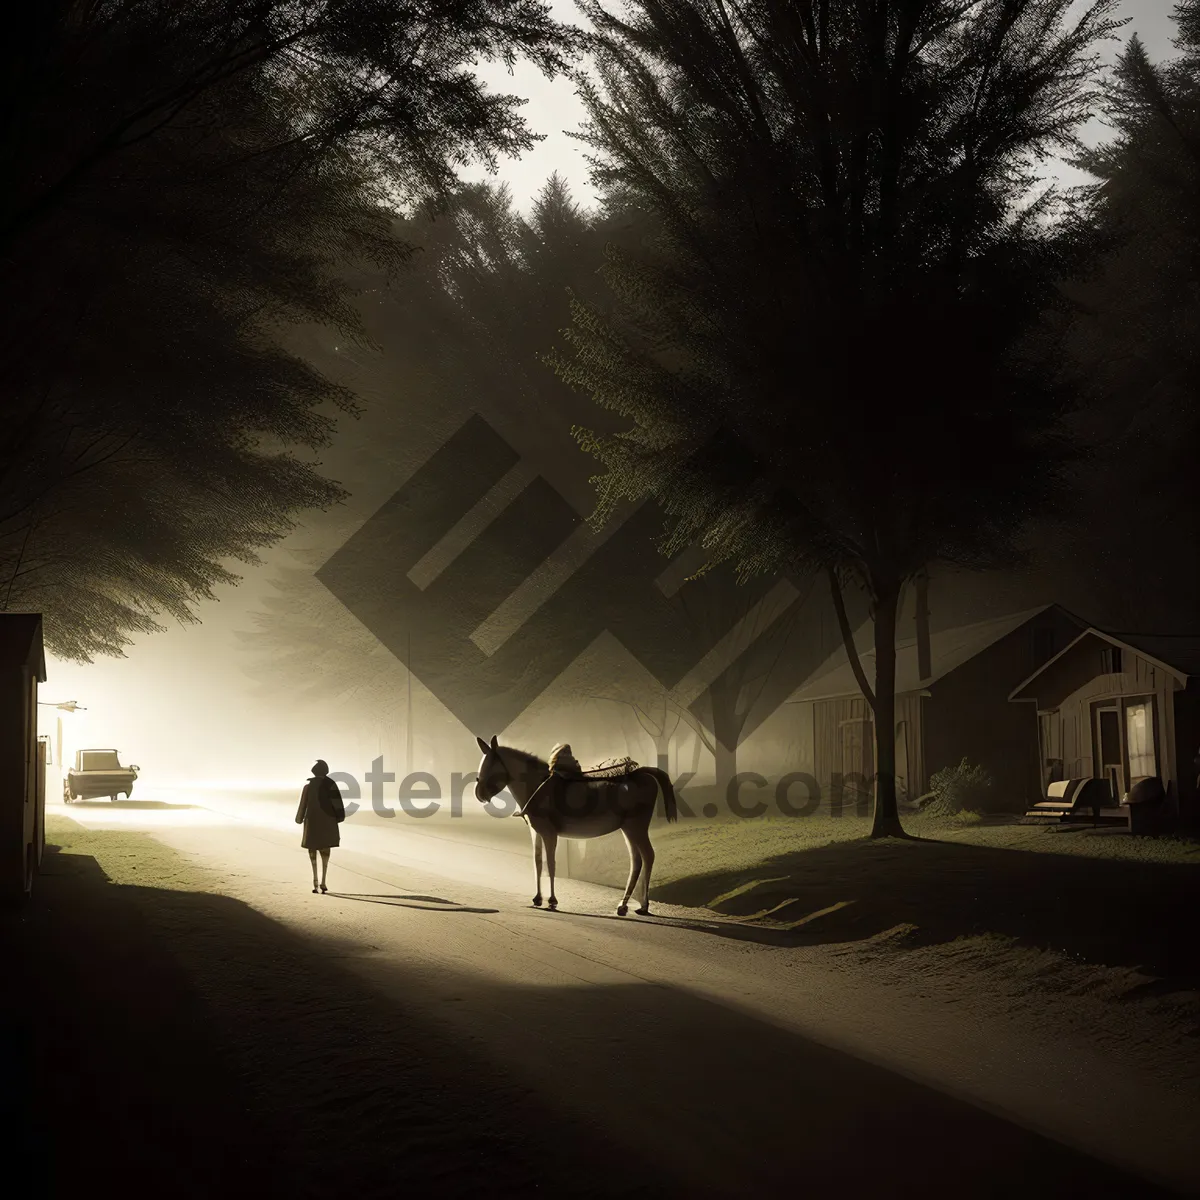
(554, 109)
(178, 703)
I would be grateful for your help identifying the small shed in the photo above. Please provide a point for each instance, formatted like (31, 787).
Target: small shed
(22, 766)
(1121, 707)
(954, 707)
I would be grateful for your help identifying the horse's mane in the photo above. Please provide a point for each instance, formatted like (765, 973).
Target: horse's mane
(530, 760)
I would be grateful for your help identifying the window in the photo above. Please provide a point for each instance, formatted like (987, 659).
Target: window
(1110, 661)
(98, 760)
(1139, 738)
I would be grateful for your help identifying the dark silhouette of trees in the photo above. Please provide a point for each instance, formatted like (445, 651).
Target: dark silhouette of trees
(389, 78)
(463, 326)
(822, 365)
(746, 630)
(185, 185)
(1134, 334)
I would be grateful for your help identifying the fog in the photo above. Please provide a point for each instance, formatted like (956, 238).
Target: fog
(183, 705)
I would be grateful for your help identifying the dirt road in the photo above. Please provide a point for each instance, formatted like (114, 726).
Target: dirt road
(422, 1025)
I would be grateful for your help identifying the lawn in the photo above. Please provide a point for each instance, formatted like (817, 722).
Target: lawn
(1082, 930)
(1097, 893)
(699, 848)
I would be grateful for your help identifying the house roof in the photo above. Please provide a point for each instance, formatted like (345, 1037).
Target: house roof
(1177, 654)
(1180, 651)
(948, 650)
(21, 643)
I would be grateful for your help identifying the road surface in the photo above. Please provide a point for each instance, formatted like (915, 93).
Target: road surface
(688, 1046)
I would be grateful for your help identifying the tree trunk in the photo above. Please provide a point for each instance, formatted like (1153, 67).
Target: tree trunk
(886, 819)
(662, 749)
(727, 733)
(726, 769)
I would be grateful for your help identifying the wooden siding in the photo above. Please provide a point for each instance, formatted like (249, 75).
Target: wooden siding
(1082, 668)
(1074, 711)
(965, 713)
(970, 716)
(830, 758)
(14, 773)
(829, 718)
(1076, 753)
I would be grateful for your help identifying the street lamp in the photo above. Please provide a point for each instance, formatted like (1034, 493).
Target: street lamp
(68, 706)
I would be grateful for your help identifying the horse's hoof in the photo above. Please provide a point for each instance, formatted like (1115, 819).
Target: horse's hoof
(537, 902)
(553, 905)
(643, 912)
(622, 909)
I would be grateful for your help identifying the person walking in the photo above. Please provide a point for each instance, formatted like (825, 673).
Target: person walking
(321, 811)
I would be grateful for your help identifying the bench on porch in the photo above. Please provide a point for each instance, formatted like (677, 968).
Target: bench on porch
(1071, 800)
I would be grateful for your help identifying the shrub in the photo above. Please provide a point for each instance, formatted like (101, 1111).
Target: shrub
(959, 790)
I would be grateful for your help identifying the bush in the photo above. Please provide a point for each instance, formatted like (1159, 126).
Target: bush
(960, 790)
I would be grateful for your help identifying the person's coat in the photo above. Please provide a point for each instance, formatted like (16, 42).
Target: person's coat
(320, 811)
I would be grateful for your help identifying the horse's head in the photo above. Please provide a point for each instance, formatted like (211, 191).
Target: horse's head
(492, 776)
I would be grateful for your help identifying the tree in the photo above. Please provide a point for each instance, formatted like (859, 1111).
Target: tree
(188, 183)
(1134, 330)
(304, 643)
(488, 298)
(462, 326)
(92, 79)
(821, 366)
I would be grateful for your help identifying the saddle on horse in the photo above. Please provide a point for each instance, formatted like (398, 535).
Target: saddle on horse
(565, 766)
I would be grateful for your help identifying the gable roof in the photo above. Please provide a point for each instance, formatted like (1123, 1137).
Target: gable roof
(21, 643)
(1180, 651)
(948, 650)
(1177, 654)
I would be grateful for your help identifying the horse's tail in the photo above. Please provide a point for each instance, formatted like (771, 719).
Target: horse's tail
(668, 791)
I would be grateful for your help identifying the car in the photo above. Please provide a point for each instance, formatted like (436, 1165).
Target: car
(98, 773)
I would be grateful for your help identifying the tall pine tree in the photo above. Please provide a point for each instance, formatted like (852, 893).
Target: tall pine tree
(185, 185)
(821, 368)
(1134, 334)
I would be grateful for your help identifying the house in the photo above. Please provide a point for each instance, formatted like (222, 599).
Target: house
(22, 767)
(1121, 707)
(959, 709)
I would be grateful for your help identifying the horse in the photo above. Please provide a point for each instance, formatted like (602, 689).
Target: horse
(579, 809)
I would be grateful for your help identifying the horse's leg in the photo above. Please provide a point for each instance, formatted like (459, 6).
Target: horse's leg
(550, 837)
(647, 853)
(635, 869)
(537, 864)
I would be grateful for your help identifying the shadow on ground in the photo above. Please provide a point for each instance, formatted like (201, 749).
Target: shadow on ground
(182, 1043)
(422, 903)
(1119, 913)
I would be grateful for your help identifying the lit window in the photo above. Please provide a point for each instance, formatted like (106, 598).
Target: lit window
(1139, 737)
